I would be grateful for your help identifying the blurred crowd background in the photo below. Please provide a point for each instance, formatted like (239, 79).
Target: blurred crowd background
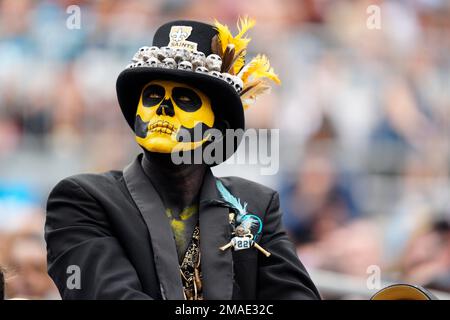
(364, 119)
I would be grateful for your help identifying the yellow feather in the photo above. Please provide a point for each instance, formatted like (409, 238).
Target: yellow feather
(258, 67)
(243, 25)
(253, 90)
(240, 42)
(257, 72)
(225, 36)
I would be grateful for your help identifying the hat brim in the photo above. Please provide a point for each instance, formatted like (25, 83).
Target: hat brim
(403, 292)
(225, 101)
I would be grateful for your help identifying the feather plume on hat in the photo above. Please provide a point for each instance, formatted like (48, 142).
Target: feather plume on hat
(257, 74)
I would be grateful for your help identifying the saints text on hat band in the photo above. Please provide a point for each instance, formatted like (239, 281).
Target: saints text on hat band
(178, 36)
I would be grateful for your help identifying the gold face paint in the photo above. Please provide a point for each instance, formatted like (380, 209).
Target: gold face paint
(164, 108)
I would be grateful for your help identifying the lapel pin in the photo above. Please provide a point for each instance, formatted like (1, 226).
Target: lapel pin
(243, 239)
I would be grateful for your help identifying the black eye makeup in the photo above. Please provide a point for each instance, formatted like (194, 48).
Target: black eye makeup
(153, 95)
(186, 99)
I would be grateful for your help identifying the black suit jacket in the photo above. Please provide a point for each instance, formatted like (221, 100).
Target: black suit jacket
(113, 227)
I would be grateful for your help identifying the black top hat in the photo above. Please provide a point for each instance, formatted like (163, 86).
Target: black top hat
(225, 100)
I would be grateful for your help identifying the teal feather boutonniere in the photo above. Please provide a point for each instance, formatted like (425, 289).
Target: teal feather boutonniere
(231, 200)
(243, 218)
(243, 238)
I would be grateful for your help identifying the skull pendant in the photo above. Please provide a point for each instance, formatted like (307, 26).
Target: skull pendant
(169, 63)
(228, 78)
(185, 65)
(139, 64)
(151, 52)
(201, 70)
(181, 55)
(213, 62)
(238, 84)
(216, 74)
(139, 55)
(165, 52)
(153, 62)
(198, 59)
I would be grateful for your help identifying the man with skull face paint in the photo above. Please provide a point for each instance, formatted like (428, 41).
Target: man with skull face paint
(160, 230)
(171, 108)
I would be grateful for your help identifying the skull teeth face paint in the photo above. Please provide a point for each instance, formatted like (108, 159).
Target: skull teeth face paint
(168, 110)
(162, 126)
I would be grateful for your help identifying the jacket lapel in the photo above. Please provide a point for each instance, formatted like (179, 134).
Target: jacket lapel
(216, 265)
(164, 249)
